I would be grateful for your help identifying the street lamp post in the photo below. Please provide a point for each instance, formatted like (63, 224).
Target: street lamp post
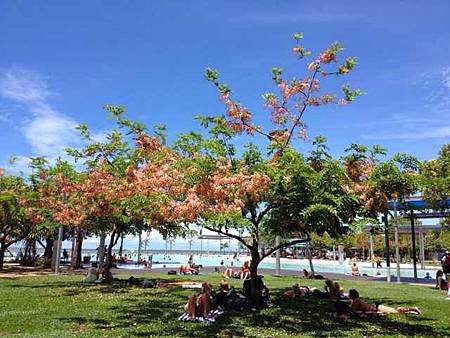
(397, 249)
(413, 239)
(372, 230)
(386, 241)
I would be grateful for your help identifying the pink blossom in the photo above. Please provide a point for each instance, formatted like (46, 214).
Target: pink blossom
(312, 66)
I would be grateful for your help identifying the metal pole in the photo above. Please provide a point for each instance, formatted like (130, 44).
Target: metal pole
(388, 254)
(201, 245)
(278, 265)
(397, 249)
(58, 249)
(413, 239)
(397, 253)
(422, 249)
(371, 250)
(139, 247)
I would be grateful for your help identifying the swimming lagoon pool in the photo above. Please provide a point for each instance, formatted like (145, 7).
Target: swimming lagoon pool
(320, 266)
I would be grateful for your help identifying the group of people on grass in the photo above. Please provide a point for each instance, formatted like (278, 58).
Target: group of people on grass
(210, 303)
(242, 273)
(98, 275)
(347, 304)
(207, 305)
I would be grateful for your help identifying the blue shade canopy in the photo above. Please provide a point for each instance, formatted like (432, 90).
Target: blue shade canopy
(417, 203)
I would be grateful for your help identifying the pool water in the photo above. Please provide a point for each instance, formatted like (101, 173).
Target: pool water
(320, 266)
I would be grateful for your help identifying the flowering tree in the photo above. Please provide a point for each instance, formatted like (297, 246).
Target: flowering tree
(254, 198)
(51, 186)
(14, 224)
(126, 184)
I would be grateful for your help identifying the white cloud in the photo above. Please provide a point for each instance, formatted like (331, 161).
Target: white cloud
(431, 119)
(49, 132)
(424, 133)
(18, 166)
(446, 77)
(46, 130)
(21, 85)
(100, 136)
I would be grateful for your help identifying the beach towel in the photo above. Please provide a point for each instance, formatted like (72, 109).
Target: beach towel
(187, 285)
(191, 285)
(208, 320)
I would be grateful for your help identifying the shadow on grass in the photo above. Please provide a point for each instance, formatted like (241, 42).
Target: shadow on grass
(154, 312)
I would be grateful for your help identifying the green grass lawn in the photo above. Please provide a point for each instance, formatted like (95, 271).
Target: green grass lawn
(62, 306)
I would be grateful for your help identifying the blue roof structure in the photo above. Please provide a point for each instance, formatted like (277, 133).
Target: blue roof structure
(441, 207)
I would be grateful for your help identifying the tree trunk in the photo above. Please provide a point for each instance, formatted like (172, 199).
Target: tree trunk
(29, 255)
(121, 245)
(101, 251)
(256, 290)
(76, 260)
(72, 250)
(48, 250)
(3, 248)
(108, 264)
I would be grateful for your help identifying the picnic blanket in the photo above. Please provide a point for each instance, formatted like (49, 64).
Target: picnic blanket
(208, 320)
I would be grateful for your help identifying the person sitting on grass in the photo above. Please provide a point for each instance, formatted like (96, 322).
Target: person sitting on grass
(228, 273)
(200, 306)
(92, 274)
(224, 286)
(188, 269)
(441, 283)
(245, 270)
(333, 289)
(358, 304)
(222, 295)
(306, 274)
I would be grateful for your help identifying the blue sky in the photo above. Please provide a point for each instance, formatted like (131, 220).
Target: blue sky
(61, 61)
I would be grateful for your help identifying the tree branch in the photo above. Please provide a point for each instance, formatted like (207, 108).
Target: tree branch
(41, 244)
(302, 111)
(263, 213)
(285, 245)
(116, 239)
(230, 156)
(7, 245)
(259, 131)
(236, 237)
